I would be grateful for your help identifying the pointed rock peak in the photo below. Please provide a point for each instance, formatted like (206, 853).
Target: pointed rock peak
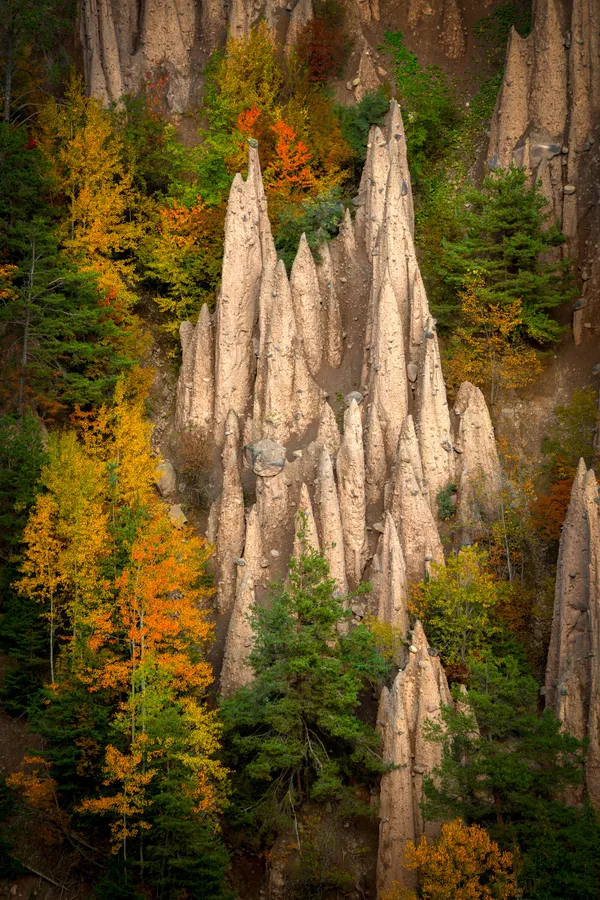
(352, 419)
(581, 469)
(305, 520)
(204, 317)
(347, 225)
(186, 333)
(304, 255)
(419, 639)
(254, 170)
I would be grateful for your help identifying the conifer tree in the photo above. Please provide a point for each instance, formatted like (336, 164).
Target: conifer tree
(507, 243)
(293, 734)
(509, 769)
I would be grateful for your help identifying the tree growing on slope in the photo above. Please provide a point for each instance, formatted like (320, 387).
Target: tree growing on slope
(293, 734)
(508, 239)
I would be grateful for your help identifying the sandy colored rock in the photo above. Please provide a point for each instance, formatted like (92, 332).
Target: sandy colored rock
(393, 594)
(416, 697)
(350, 469)
(166, 478)
(231, 530)
(274, 511)
(123, 44)
(330, 522)
(433, 422)
(368, 79)
(388, 385)
(573, 667)
(308, 307)
(411, 512)
(371, 192)
(453, 36)
(195, 385)
(334, 345)
(396, 136)
(237, 304)
(286, 397)
(305, 520)
(478, 475)
(396, 811)
(236, 671)
(328, 435)
(375, 458)
(301, 15)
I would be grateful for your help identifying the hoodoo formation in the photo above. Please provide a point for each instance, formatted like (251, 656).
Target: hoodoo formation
(396, 451)
(288, 611)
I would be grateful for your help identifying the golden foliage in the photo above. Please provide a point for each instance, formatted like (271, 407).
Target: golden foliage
(463, 864)
(487, 348)
(85, 158)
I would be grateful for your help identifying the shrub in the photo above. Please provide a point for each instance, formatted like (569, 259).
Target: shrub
(318, 218)
(445, 501)
(430, 110)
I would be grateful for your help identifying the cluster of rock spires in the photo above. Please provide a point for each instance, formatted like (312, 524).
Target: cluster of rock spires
(546, 120)
(255, 383)
(126, 42)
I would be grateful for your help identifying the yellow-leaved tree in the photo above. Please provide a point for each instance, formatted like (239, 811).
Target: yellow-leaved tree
(86, 161)
(126, 596)
(487, 348)
(463, 864)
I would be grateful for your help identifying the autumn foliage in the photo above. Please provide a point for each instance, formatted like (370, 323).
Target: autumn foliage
(121, 590)
(487, 348)
(463, 864)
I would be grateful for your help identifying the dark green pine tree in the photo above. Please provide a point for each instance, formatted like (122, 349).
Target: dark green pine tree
(508, 769)
(58, 340)
(22, 629)
(508, 239)
(294, 734)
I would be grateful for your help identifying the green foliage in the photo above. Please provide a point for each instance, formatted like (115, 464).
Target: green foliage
(316, 217)
(357, 120)
(573, 431)
(456, 606)
(293, 734)
(22, 632)
(505, 767)
(493, 30)
(66, 340)
(507, 238)
(428, 102)
(445, 501)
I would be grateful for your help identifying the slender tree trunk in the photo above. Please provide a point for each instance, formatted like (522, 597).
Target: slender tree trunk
(8, 77)
(24, 360)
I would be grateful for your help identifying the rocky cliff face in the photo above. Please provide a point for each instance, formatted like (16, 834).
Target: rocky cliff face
(128, 42)
(573, 669)
(366, 480)
(546, 119)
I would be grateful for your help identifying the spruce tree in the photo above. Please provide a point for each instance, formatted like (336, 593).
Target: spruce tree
(294, 733)
(508, 241)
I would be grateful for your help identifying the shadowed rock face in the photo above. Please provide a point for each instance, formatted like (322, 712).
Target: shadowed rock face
(573, 668)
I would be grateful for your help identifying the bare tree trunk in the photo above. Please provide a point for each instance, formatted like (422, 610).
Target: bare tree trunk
(8, 75)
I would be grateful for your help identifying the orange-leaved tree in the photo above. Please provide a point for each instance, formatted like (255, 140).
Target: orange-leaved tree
(463, 864)
(127, 596)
